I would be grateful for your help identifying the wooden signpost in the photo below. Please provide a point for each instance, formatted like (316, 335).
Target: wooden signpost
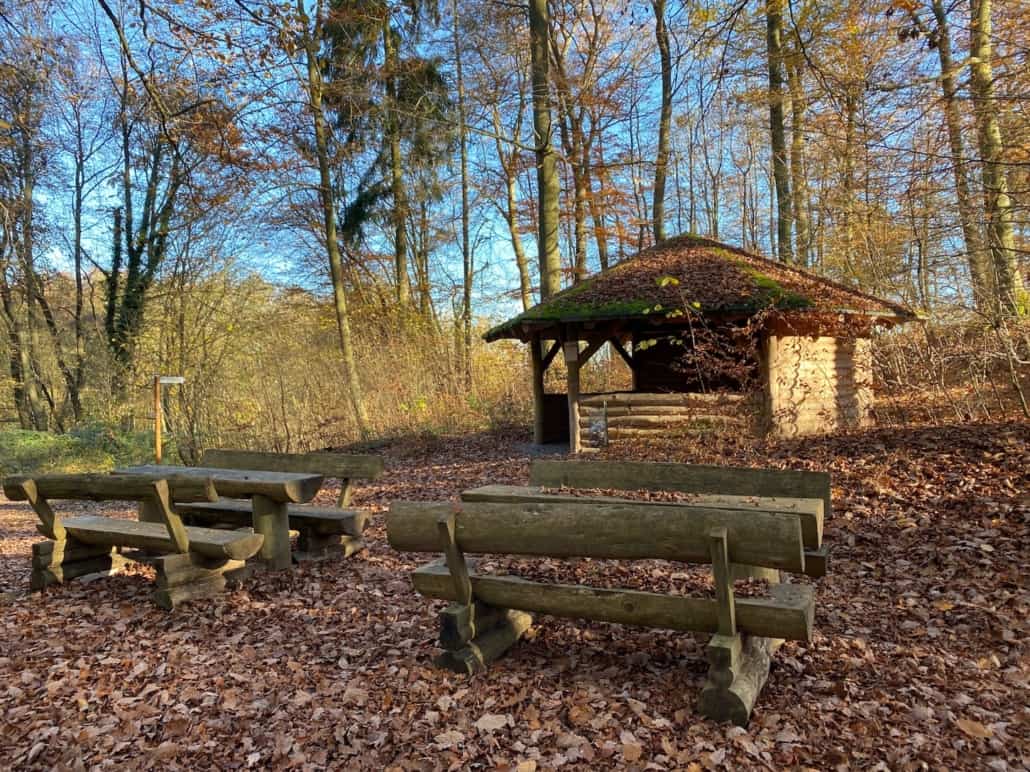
(159, 381)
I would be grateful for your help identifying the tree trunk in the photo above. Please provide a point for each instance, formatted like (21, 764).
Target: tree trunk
(548, 187)
(971, 233)
(798, 172)
(1010, 298)
(774, 44)
(596, 199)
(661, 163)
(848, 205)
(325, 192)
(466, 248)
(400, 200)
(508, 164)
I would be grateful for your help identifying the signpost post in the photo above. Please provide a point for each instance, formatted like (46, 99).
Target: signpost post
(159, 381)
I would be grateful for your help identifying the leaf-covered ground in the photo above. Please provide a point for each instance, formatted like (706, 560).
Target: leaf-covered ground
(920, 658)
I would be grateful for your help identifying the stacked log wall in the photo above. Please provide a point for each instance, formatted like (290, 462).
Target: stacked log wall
(621, 416)
(817, 384)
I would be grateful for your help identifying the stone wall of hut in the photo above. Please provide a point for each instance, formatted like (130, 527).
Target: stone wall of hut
(816, 384)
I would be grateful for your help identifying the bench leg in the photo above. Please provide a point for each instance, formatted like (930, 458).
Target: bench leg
(57, 561)
(312, 545)
(272, 521)
(189, 576)
(473, 636)
(738, 669)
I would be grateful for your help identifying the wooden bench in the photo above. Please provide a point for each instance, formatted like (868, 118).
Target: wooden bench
(488, 614)
(322, 531)
(191, 562)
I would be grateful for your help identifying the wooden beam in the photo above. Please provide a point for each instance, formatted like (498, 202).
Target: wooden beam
(592, 348)
(628, 531)
(455, 559)
(572, 367)
(172, 521)
(537, 368)
(788, 616)
(291, 487)
(324, 520)
(552, 352)
(617, 345)
(272, 522)
(337, 465)
(687, 478)
(210, 542)
(51, 523)
(722, 580)
(809, 511)
(112, 487)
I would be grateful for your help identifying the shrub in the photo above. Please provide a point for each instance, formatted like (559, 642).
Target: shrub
(90, 448)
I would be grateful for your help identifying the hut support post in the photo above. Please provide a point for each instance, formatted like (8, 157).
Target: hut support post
(572, 366)
(537, 362)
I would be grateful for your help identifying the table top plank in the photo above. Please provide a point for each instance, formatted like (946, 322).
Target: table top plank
(282, 487)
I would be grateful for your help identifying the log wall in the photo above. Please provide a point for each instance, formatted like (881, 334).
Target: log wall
(623, 416)
(816, 384)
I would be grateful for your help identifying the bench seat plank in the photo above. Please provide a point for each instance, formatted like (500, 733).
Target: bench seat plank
(323, 520)
(209, 542)
(810, 511)
(689, 478)
(612, 530)
(788, 614)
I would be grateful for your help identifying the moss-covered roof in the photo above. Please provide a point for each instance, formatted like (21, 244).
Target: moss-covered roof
(707, 276)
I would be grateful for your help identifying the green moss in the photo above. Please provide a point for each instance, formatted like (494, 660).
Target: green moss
(567, 305)
(772, 292)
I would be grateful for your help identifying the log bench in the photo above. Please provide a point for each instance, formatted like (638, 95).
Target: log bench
(190, 562)
(488, 613)
(322, 532)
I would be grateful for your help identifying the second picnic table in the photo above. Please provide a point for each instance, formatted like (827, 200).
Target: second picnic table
(270, 493)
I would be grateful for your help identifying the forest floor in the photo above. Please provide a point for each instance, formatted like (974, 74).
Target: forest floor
(920, 657)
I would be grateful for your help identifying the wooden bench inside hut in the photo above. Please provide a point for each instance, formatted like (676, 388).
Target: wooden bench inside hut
(715, 337)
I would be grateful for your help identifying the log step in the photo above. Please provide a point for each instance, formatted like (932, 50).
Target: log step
(660, 422)
(682, 399)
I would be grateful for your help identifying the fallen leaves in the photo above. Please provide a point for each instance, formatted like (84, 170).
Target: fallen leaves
(974, 728)
(920, 655)
(491, 722)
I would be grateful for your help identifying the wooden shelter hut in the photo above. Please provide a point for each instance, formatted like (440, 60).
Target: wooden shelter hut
(805, 338)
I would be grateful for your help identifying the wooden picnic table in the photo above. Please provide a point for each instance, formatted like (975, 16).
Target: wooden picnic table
(270, 493)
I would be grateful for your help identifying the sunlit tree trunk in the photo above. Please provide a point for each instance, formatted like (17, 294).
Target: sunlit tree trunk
(400, 199)
(598, 198)
(971, 232)
(1010, 298)
(315, 86)
(548, 187)
(466, 247)
(661, 164)
(509, 164)
(798, 172)
(781, 173)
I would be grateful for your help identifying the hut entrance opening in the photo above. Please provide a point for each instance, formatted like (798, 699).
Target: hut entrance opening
(692, 378)
(705, 359)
